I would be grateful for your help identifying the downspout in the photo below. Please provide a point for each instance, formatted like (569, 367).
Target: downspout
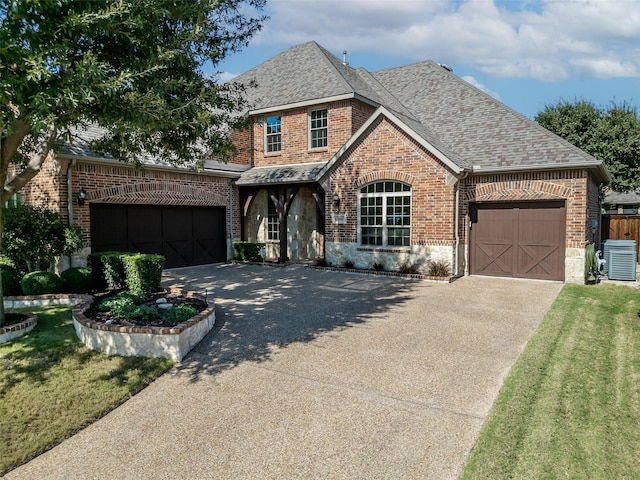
(230, 220)
(456, 251)
(70, 200)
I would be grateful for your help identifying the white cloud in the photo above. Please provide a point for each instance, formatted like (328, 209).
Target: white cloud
(224, 77)
(471, 80)
(541, 39)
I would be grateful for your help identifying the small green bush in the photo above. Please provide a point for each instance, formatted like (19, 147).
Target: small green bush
(77, 280)
(439, 268)
(247, 251)
(143, 272)
(407, 268)
(119, 305)
(142, 314)
(378, 266)
(41, 283)
(10, 280)
(179, 314)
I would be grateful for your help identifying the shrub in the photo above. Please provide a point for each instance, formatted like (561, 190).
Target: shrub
(77, 280)
(378, 266)
(41, 283)
(349, 264)
(247, 251)
(119, 305)
(179, 314)
(439, 268)
(407, 268)
(142, 314)
(10, 280)
(35, 236)
(143, 272)
(107, 269)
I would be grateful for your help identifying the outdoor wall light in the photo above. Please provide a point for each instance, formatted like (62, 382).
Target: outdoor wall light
(82, 197)
(336, 199)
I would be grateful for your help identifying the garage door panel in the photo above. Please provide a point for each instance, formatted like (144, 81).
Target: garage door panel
(184, 235)
(535, 231)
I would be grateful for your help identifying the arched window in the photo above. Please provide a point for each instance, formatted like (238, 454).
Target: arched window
(385, 214)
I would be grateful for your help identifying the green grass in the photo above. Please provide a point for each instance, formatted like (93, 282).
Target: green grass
(570, 407)
(51, 386)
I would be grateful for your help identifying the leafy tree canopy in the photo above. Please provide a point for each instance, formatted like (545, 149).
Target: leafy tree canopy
(610, 134)
(34, 237)
(134, 67)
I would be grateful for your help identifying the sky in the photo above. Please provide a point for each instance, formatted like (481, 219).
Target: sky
(526, 53)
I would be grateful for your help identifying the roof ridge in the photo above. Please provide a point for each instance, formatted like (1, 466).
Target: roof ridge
(327, 55)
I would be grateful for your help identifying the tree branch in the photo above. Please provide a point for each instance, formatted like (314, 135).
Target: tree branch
(36, 160)
(11, 143)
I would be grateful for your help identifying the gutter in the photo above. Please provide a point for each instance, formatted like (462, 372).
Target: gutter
(456, 251)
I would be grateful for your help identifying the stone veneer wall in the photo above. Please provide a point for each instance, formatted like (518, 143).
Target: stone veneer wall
(337, 253)
(155, 342)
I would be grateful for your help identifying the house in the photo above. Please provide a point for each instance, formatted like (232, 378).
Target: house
(403, 166)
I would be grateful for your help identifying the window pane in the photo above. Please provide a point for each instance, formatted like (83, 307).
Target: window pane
(273, 138)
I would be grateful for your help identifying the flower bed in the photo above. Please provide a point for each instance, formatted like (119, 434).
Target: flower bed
(17, 329)
(145, 341)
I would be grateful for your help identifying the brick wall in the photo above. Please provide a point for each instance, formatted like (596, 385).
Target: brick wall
(344, 118)
(574, 186)
(387, 153)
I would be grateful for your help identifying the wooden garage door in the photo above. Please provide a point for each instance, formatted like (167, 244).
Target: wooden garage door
(522, 240)
(184, 235)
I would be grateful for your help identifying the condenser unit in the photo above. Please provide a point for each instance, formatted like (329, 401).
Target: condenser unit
(622, 265)
(609, 245)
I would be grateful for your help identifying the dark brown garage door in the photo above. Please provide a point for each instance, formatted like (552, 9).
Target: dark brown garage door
(522, 240)
(184, 235)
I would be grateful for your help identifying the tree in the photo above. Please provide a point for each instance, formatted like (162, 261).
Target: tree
(34, 237)
(610, 134)
(134, 67)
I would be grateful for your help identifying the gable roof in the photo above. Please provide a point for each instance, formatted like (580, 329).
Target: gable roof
(472, 130)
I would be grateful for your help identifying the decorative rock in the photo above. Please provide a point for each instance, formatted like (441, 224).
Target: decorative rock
(164, 306)
(161, 300)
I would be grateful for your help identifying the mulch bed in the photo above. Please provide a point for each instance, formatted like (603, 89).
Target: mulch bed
(174, 298)
(14, 318)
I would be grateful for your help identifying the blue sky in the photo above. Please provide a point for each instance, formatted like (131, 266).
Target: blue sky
(526, 53)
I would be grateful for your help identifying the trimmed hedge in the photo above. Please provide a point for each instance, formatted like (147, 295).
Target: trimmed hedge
(41, 283)
(143, 272)
(77, 280)
(108, 270)
(10, 280)
(247, 251)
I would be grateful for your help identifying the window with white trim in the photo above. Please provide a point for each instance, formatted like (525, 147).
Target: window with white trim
(273, 225)
(385, 214)
(273, 134)
(318, 128)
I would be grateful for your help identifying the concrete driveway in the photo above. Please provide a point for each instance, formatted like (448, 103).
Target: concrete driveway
(317, 374)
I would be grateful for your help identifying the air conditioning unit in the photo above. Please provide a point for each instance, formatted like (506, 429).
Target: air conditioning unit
(622, 265)
(608, 245)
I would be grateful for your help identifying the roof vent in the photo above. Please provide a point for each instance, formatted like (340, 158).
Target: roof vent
(344, 58)
(446, 67)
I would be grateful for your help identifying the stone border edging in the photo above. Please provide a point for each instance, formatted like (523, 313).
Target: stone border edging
(362, 271)
(156, 342)
(11, 332)
(26, 301)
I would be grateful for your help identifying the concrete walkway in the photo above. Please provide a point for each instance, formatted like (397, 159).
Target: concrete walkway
(316, 374)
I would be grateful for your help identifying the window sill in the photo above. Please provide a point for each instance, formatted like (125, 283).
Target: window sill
(273, 154)
(384, 249)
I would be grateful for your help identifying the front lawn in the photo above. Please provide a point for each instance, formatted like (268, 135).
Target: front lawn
(570, 407)
(51, 386)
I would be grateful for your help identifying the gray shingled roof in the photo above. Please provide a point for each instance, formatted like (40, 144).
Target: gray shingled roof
(300, 74)
(480, 129)
(299, 173)
(475, 131)
(82, 136)
(622, 198)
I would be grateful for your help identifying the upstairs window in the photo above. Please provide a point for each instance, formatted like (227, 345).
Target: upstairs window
(385, 214)
(318, 132)
(273, 134)
(273, 225)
